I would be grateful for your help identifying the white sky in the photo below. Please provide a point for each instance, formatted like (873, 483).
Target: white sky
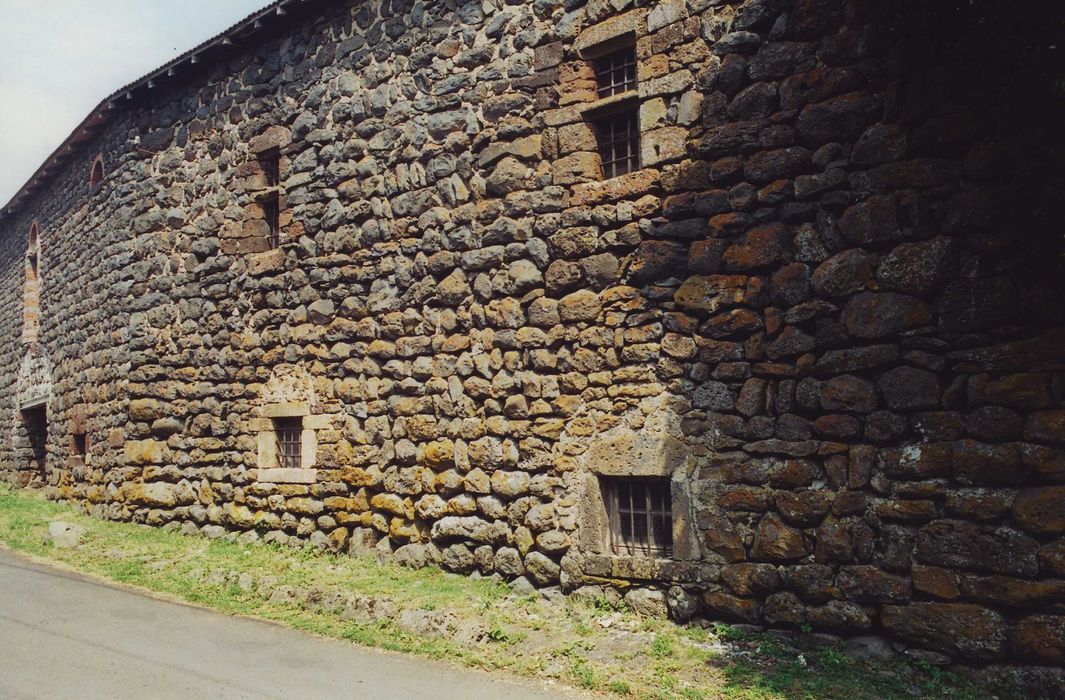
(60, 58)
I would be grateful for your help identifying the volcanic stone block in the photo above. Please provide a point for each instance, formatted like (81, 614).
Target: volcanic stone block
(981, 548)
(970, 631)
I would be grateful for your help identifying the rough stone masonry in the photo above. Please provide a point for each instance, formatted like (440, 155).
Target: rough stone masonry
(357, 278)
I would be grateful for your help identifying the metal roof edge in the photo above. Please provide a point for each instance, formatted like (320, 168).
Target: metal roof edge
(254, 23)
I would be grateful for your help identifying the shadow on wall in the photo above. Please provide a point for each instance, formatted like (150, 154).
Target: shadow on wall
(853, 288)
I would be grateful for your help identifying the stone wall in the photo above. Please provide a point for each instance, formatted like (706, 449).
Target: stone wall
(824, 308)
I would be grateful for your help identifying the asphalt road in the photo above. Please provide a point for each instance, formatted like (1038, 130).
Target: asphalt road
(65, 636)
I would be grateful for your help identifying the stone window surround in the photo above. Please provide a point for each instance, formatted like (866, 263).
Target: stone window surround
(267, 461)
(96, 173)
(31, 292)
(266, 196)
(601, 40)
(595, 527)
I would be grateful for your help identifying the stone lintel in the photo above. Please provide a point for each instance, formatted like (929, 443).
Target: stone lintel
(610, 34)
(286, 410)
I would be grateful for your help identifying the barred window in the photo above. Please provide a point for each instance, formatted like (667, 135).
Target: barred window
(270, 162)
(289, 433)
(640, 512)
(619, 143)
(616, 72)
(272, 213)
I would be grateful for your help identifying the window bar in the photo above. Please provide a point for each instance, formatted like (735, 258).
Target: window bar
(651, 541)
(271, 165)
(616, 73)
(272, 214)
(619, 145)
(632, 519)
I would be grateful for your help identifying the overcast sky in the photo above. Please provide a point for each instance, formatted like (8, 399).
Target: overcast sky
(60, 58)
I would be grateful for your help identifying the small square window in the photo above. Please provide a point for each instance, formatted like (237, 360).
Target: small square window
(272, 214)
(619, 143)
(289, 434)
(640, 515)
(615, 73)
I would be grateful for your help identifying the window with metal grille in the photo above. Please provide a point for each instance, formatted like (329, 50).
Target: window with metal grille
(289, 433)
(270, 162)
(272, 213)
(640, 512)
(619, 143)
(616, 73)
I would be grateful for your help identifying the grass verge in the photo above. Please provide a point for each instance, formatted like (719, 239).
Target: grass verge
(475, 622)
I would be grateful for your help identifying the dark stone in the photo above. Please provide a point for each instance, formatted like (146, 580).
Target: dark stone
(791, 341)
(873, 221)
(917, 268)
(981, 548)
(775, 541)
(843, 274)
(906, 388)
(994, 423)
(657, 260)
(730, 607)
(1045, 426)
(1041, 510)
(760, 246)
(767, 166)
(778, 59)
(848, 393)
(839, 616)
(843, 540)
(785, 608)
(814, 582)
(736, 42)
(970, 631)
(836, 119)
(976, 304)
(876, 315)
(868, 584)
(884, 426)
(758, 100)
(804, 508)
(750, 579)
(1040, 638)
(881, 143)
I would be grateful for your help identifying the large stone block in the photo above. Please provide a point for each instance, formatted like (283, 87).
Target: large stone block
(962, 544)
(969, 631)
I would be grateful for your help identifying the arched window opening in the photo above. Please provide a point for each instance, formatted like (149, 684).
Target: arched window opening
(31, 291)
(96, 176)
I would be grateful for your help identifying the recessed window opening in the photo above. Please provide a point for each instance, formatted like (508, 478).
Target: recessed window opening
(640, 512)
(270, 162)
(289, 434)
(32, 248)
(619, 143)
(96, 175)
(615, 73)
(80, 444)
(35, 420)
(272, 214)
